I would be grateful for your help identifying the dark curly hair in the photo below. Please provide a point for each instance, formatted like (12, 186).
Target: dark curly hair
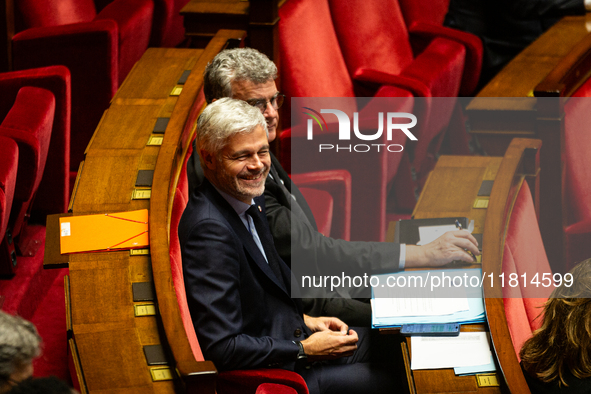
(564, 340)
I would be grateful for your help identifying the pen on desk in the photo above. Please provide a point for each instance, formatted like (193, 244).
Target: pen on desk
(458, 224)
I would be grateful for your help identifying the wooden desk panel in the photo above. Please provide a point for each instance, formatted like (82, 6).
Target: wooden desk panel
(108, 337)
(123, 124)
(530, 67)
(450, 190)
(154, 76)
(460, 177)
(439, 199)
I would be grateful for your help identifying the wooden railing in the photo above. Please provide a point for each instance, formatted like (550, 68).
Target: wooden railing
(198, 377)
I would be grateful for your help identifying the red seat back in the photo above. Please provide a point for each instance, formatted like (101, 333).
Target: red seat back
(372, 35)
(8, 170)
(29, 123)
(42, 13)
(55, 185)
(178, 207)
(328, 193)
(428, 11)
(321, 203)
(524, 254)
(576, 189)
(577, 139)
(167, 28)
(312, 64)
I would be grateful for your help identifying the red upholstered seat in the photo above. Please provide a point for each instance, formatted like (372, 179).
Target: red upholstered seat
(229, 382)
(424, 19)
(378, 49)
(321, 203)
(29, 123)
(8, 171)
(98, 49)
(524, 254)
(312, 65)
(576, 190)
(167, 28)
(428, 11)
(273, 388)
(328, 194)
(55, 184)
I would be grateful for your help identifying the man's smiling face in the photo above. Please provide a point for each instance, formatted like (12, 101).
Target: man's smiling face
(241, 168)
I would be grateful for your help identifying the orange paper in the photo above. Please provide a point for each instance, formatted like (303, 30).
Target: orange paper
(109, 231)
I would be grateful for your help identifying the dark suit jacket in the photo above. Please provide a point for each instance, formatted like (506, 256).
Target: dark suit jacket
(292, 224)
(244, 317)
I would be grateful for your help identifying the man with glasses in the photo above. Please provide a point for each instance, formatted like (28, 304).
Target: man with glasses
(248, 75)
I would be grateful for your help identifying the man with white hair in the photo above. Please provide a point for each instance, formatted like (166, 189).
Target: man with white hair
(237, 284)
(248, 75)
(19, 345)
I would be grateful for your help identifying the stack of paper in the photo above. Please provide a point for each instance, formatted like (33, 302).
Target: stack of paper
(396, 305)
(467, 353)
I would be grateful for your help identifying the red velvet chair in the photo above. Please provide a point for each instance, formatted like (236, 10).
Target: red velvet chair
(55, 185)
(378, 49)
(167, 28)
(328, 194)
(424, 19)
(98, 49)
(524, 254)
(576, 190)
(28, 123)
(312, 65)
(273, 388)
(8, 170)
(229, 382)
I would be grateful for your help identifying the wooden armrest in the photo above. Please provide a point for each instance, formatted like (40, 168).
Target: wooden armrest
(198, 376)
(520, 160)
(568, 75)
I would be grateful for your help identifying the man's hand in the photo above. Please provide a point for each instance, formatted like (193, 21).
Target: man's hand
(322, 323)
(328, 345)
(453, 245)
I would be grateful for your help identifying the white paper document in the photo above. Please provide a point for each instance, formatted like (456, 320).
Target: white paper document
(392, 307)
(467, 349)
(431, 233)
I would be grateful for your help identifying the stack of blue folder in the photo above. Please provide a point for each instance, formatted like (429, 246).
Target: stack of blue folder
(475, 314)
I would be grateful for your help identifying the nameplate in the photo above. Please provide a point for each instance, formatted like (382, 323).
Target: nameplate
(161, 373)
(139, 252)
(142, 291)
(155, 140)
(144, 310)
(487, 380)
(481, 203)
(144, 178)
(485, 188)
(141, 194)
(176, 91)
(184, 77)
(155, 355)
(160, 126)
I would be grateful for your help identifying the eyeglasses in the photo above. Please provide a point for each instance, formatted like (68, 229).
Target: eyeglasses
(276, 102)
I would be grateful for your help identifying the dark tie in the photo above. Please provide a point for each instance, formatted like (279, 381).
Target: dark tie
(266, 240)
